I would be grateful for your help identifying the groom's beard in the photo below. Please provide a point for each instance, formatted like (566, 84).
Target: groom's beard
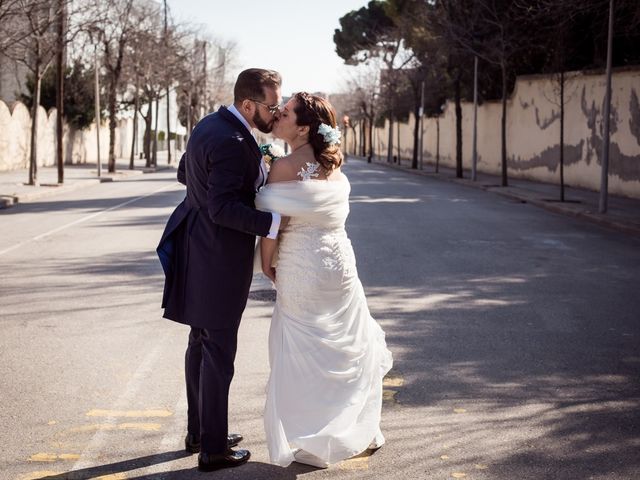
(264, 127)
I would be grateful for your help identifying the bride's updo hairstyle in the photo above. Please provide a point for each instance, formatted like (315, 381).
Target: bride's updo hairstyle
(313, 110)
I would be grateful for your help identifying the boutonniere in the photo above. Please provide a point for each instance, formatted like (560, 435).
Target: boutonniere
(270, 153)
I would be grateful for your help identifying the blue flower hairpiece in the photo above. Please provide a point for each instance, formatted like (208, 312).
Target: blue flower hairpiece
(331, 135)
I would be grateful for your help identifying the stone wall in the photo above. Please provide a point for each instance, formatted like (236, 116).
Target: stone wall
(533, 133)
(79, 145)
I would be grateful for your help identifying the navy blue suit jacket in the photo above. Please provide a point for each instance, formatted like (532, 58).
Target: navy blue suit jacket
(208, 243)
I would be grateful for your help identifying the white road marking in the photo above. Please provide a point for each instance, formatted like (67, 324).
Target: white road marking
(145, 370)
(83, 219)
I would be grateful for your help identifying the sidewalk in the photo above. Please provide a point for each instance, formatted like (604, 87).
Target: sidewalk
(14, 188)
(623, 213)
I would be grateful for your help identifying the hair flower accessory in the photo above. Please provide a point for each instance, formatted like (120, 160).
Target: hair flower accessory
(271, 152)
(331, 135)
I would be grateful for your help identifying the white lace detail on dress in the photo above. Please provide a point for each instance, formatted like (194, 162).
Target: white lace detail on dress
(310, 171)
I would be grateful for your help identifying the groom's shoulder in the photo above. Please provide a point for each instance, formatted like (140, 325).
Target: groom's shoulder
(214, 127)
(223, 121)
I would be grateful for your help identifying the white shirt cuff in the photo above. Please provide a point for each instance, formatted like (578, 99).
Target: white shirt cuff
(275, 225)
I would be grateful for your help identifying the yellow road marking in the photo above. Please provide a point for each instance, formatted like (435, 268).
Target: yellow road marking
(458, 475)
(139, 426)
(459, 410)
(129, 413)
(52, 422)
(479, 466)
(444, 457)
(113, 476)
(52, 457)
(120, 426)
(393, 381)
(356, 463)
(389, 396)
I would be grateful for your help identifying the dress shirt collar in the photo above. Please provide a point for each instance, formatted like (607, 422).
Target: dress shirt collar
(232, 108)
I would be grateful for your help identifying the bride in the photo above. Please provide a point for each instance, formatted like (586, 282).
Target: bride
(327, 355)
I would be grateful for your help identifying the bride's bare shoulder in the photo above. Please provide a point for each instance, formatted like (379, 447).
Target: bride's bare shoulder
(283, 169)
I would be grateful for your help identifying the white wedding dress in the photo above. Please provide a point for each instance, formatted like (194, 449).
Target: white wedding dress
(328, 356)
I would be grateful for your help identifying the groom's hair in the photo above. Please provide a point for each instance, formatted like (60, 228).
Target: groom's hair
(251, 82)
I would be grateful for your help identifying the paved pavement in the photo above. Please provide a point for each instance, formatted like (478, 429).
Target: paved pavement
(14, 188)
(514, 331)
(622, 214)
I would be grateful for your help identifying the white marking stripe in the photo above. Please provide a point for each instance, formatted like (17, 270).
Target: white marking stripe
(96, 446)
(83, 219)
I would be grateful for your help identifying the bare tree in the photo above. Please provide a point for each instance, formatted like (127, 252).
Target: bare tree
(35, 50)
(113, 34)
(146, 75)
(366, 104)
(10, 31)
(203, 77)
(494, 31)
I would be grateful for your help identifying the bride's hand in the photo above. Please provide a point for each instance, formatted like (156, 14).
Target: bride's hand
(270, 272)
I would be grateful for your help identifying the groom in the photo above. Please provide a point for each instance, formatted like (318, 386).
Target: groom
(207, 250)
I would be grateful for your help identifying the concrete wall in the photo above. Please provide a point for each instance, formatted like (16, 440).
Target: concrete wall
(533, 131)
(80, 146)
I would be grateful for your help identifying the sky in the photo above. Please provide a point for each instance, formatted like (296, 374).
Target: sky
(294, 37)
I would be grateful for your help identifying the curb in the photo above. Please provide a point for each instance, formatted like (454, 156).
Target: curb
(523, 197)
(11, 200)
(8, 201)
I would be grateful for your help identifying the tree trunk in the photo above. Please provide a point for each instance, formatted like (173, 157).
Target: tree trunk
(416, 137)
(135, 125)
(458, 101)
(166, 26)
(503, 129)
(354, 142)
(155, 133)
(189, 123)
(437, 144)
(33, 158)
(370, 156)
(168, 128)
(390, 142)
(111, 165)
(562, 136)
(398, 140)
(60, 67)
(147, 135)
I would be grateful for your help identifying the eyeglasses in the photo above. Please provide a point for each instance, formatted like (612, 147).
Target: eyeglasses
(273, 109)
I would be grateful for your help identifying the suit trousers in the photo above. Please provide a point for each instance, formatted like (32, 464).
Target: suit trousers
(208, 372)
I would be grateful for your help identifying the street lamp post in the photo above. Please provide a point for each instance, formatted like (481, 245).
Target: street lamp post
(421, 125)
(604, 178)
(474, 161)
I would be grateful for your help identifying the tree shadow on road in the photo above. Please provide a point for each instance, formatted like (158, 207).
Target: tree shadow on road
(548, 388)
(251, 470)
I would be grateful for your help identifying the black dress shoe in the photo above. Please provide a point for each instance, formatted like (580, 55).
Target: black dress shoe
(234, 439)
(208, 462)
(192, 443)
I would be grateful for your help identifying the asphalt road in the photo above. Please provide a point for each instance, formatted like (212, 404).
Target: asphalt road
(515, 333)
